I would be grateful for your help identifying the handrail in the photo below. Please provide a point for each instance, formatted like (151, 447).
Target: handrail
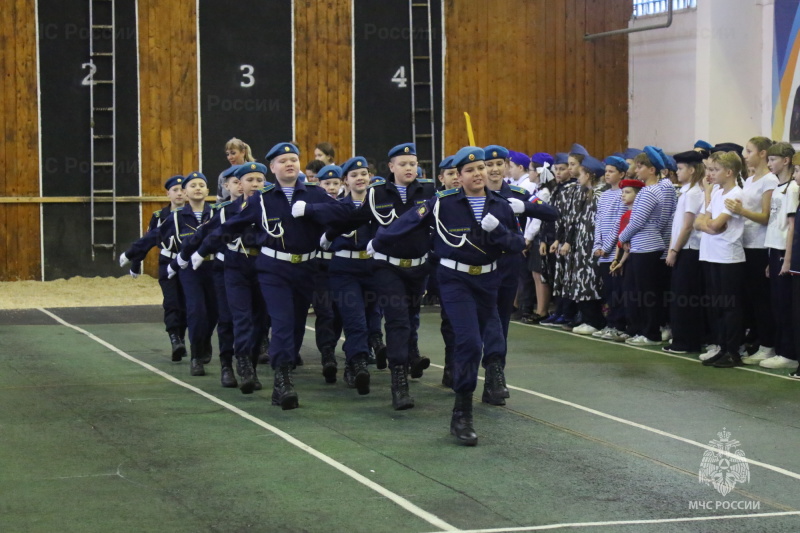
(667, 24)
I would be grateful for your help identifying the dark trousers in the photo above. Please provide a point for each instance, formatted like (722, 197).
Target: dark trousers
(757, 298)
(646, 299)
(782, 308)
(686, 310)
(725, 299)
(174, 302)
(592, 313)
(328, 323)
(225, 320)
(248, 312)
(509, 266)
(524, 287)
(201, 303)
(796, 309)
(613, 297)
(471, 305)
(400, 295)
(287, 292)
(448, 336)
(353, 290)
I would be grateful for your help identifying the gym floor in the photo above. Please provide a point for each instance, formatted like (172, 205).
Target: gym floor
(102, 432)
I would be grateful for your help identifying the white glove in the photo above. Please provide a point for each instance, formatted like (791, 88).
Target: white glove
(197, 260)
(370, 249)
(299, 209)
(324, 243)
(489, 222)
(123, 260)
(518, 206)
(182, 262)
(170, 273)
(133, 274)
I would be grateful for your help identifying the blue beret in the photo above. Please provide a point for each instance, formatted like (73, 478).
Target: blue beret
(618, 162)
(655, 157)
(578, 149)
(373, 179)
(247, 168)
(494, 151)
(280, 149)
(561, 158)
(518, 158)
(173, 181)
(468, 154)
(540, 158)
(403, 149)
(671, 163)
(228, 172)
(446, 163)
(354, 163)
(594, 164)
(329, 172)
(301, 177)
(420, 173)
(703, 144)
(193, 176)
(631, 153)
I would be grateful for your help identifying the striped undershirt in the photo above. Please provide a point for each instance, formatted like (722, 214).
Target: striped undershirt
(643, 231)
(289, 192)
(198, 215)
(477, 203)
(669, 202)
(606, 223)
(357, 203)
(402, 190)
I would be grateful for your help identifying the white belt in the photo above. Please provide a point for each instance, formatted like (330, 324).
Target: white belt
(220, 256)
(241, 250)
(283, 256)
(353, 254)
(167, 253)
(469, 269)
(325, 255)
(405, 263)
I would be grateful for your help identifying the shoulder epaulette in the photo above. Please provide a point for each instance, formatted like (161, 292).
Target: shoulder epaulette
(378, 182)
(312, 183)
(157, 214)
(421, 180)
(221, 205)
(517, 188)
(268, 187)
(447, 192)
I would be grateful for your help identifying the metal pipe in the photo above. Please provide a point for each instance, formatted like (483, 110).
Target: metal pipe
(667, 24)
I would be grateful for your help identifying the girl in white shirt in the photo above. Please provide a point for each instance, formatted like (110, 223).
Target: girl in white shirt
(722, 251)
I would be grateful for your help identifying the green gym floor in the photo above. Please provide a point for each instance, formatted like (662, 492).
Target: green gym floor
(100, 431)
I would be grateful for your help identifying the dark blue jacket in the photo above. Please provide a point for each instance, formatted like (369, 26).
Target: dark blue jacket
(533, 209)
(355, 240)
(138, 250)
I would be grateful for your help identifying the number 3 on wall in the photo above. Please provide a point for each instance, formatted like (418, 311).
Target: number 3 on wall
(400, 78)
(89, 79)
(247, 74)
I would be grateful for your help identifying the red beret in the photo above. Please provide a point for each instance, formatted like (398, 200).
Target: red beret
(636, 184)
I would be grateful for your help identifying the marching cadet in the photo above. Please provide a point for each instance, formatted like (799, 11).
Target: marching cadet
(173, 302)
(400, 265)
(288, 218)
(473, 227)
(448, 177)
(509, 265)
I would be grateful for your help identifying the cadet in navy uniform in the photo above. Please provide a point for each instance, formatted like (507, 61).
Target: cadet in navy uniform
(289, 217)
(448, 176)
(400, 266)
(473, 227)
(510, 265)
(173, 302)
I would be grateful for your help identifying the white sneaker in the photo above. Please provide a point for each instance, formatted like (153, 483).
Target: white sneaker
(778, 361)
(584, 329)
(602, 332)
(666, 334)
(641, 340)
(713, 350)
(762, 354)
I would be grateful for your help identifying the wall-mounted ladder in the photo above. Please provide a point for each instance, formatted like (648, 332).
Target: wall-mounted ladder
(103, 126)
(422, 101)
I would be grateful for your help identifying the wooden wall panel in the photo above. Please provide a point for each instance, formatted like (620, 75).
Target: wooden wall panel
(19, 154)
(529, 79)
(323, 74)
(168, 101)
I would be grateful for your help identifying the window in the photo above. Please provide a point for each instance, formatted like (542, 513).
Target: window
(643, 8)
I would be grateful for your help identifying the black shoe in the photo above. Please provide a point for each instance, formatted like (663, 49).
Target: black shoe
(244, 366)
(379, 349)
(361, 376)
(401, 399)
(256, 383)
(227, 378)
(263, 354)
(447, 375)
(283, 393)
(532, 319)
(418, 364)
(298, 361)
(329, 366)
(493, 389)
(197, 368)
(712, 360)
(461, 422)
(517, 314)
(669, 348)
(178, 347)
(728, 361)
(206, 351)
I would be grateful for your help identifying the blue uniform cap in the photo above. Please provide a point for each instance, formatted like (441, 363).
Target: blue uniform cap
(354, 163)
(468, 154)
(193, 176)
(173, 181)
(618, 162)
(655, 157)
(561, 158)
(631, 153)
(280, 149)
(419, 171)
(301, 177)
(329, 172)
(518, 158)
(446, 163)
(703, 144)
(671, 163)
(247, 168)
(540, 158)
(228, 172)
(594, 165)
(578, 149)
(403, 149)
(495, 151)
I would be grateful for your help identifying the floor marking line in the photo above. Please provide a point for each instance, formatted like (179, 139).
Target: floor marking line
(396, 498)
(629, 522)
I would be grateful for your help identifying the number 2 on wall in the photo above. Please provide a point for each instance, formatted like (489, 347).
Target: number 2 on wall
(89, 79)
(247, 74)
(400, 78)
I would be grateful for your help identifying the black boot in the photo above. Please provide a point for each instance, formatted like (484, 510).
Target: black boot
(461, 422)
(417, 362)
(501, 381)
(283, 393)
(447, 373)
(379, 349)
(492, 386)
(729, 361)
(329, 366)
(361, 375)
(263, 355)
(178, 347)
(197, 362)
(246, 373)
(401, 400)
(206, 356)
(227, 378)
(256, 383)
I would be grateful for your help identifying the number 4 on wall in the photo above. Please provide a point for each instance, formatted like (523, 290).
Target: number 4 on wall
(400, 78)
